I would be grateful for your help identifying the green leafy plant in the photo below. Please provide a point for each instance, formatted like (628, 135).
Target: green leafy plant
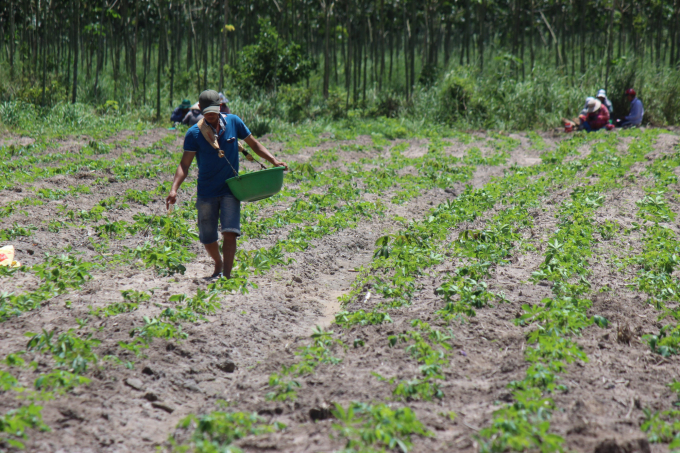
(15, 423)
(376, 428)
(217, 430)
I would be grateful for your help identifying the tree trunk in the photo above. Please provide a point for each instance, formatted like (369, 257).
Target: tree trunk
(348, 58)
(447, 43)
(145, 57)
(44, 52)
(365, 50)
(407, 34)
(205, 49)
(159, 62)
(381, 73)
(609, 44)
(99, 49)
(223, 53)
(334, 51)
(412, 59)
(12, 38)
(326, 50)
(173, 52)
(76, 34)
(391, 46)
(480, 38)
(532, 35)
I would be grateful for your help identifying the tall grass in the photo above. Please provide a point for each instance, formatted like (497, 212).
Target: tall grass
(461, 97)
(63, 119)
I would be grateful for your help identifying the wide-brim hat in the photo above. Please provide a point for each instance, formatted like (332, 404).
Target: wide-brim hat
(601, 94)
(209, 101)
(195, 107)
(186, 103)
(594, 105)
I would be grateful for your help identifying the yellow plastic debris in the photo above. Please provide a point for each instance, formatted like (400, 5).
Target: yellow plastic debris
(7, 256)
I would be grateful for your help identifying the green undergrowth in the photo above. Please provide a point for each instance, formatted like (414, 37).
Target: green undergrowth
(376, 428)
(402, 257)
(342, 197)
(216, 431)
(296, 137)
(284, 386)
(35, 164)
(525, 424)
(57, 274)
(655, 265)
(64, 119)
(429, 347)
(15, 424)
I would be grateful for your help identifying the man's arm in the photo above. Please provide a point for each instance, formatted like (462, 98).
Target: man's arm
(262, 152)
(180, 176)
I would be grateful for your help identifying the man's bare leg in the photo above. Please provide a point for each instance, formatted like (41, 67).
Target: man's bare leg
(214, 252)
(228, 250)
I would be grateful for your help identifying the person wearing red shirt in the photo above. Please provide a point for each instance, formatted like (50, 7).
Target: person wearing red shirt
(597, 116)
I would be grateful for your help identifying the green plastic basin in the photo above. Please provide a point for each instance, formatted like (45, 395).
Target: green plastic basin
(257, 185)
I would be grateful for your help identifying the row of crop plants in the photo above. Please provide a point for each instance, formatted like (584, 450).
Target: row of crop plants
(364, 426)
(402, 257)
(654, 267)
(65, 273)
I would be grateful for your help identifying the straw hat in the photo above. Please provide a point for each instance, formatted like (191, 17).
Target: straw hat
(594, 105)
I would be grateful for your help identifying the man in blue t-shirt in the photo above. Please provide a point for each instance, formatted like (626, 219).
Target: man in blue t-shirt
(214, 200)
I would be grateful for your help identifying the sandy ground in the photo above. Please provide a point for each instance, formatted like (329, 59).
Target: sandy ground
(121, 410)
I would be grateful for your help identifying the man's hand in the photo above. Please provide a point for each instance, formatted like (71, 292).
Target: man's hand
(172, 199)
(278, 163)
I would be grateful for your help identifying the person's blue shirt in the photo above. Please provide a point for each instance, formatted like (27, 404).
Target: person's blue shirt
(178, 115)
(213, 171)
(634, 118)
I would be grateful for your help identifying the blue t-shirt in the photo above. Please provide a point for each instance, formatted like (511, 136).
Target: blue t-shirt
(213, 171)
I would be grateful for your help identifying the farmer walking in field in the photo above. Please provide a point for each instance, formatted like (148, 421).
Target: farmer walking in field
(214, 200)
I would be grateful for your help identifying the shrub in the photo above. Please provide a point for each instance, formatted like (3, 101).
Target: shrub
(388, 104)
(297, 102)
(270, 62)
(456, 98)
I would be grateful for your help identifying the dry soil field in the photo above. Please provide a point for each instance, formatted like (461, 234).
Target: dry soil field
(467, 293)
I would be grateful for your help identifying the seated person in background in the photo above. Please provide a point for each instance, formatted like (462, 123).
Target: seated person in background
(597, 116)
(602, 96)
(180, 112)
(577, 122)
(224, 108)
(193, 116)
(584, 110)
(634, 118)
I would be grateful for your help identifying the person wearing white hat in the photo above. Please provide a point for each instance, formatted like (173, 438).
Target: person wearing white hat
(602, 96)
(597, 116)
(584, 110)
(224, 107)
(193, 116)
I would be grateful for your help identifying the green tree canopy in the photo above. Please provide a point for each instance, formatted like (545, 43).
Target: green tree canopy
(270, 62)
